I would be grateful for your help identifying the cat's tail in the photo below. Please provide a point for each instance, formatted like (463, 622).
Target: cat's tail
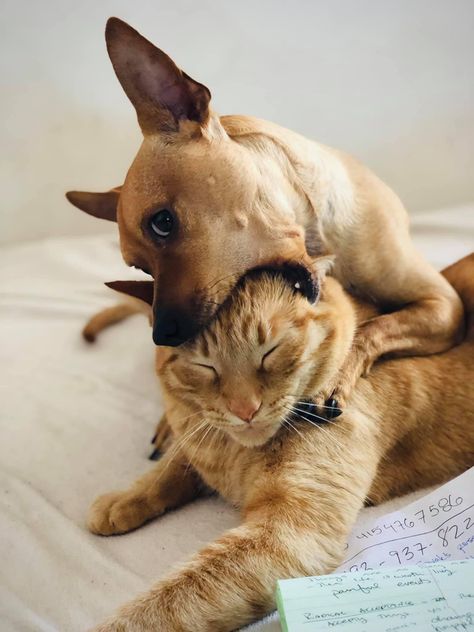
(461, 277)
(111, 316)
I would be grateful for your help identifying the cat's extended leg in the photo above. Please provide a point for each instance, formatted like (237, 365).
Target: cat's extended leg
(296, 523)
(171, 483)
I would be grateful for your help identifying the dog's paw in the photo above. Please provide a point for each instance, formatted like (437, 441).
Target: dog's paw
(117, 512)
(331, 402)
(161, 440)
(329, 405)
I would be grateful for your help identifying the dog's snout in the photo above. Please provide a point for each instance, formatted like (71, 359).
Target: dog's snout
(172, 327)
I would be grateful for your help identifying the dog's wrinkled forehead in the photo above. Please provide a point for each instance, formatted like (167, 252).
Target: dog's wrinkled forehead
(209, 193)
(190, 175)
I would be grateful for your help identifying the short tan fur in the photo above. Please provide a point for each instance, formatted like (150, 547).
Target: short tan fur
(232, 399)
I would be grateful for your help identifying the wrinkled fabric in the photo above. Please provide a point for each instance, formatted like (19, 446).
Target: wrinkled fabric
(76, 421)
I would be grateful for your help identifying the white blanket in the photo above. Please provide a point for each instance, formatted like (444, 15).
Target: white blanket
(76, 422)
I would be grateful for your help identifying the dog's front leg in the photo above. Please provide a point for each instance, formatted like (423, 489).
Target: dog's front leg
(428, 326)
(172, 482)
(429, 320)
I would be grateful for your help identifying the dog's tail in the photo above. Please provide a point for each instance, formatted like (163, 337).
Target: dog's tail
(111, 316)
(461, 277)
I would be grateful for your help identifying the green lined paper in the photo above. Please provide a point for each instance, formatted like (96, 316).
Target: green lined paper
(431, 597)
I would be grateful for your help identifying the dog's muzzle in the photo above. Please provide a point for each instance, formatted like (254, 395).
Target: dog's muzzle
(172, 327)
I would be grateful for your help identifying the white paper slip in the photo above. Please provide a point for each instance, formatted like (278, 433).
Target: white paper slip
(438, 527)
(428, 598)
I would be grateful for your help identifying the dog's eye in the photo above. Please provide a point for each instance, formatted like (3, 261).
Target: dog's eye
(162, 223)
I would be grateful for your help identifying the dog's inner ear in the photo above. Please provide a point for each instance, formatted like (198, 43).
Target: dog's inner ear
(143, 290)
(161, 93)
(101, 205)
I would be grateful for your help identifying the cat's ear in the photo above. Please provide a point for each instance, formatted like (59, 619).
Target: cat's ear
(142, 290)
(323, 265)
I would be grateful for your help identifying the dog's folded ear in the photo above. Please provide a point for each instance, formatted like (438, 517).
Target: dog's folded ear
(323, 264)
(143, 290)
(162, 94)
(101, 205)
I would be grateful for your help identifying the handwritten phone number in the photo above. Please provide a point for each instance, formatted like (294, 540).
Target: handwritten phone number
(446, 535)
(443, 506)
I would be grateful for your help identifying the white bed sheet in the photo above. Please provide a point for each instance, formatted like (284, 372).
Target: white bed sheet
(76, 421)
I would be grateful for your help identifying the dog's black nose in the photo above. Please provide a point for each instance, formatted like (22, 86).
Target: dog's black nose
(172, 327)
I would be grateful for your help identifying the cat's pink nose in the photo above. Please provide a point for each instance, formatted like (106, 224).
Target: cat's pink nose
(245, 409)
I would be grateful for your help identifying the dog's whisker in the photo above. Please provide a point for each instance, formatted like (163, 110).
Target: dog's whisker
(213, 283)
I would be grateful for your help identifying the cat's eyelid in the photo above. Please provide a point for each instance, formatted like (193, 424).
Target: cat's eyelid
(271, 350)
(265, 355)
(206, 366)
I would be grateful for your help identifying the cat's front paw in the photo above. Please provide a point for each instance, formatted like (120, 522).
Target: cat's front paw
(117, 512)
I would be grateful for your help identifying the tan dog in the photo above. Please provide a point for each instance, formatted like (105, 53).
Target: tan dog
(207, 198)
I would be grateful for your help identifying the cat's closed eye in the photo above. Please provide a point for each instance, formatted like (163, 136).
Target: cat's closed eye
(208, 367)
(267, 355)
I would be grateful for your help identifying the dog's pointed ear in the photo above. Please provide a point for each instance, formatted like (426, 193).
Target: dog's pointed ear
(162, 94)
(101, 205)
(143, 290)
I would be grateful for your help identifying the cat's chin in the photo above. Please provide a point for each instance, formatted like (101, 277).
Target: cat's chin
(253, 435)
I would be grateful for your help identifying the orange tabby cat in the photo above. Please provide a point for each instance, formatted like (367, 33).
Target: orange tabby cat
(233, 401)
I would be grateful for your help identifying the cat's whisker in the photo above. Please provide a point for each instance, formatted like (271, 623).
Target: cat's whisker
(306, 439)
(321, 428)
(318, 426)
(307, 412)
(334, 441)
(197, 412)
(201, 440)
(176, 447)
(289, 399)
(302, 402)
(189, 435)
(324, 419)
(288, 423)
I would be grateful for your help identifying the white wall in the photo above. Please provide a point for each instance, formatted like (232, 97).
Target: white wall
(391, 81)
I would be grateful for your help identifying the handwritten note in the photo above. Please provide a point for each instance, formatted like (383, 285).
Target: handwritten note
(435, 597)
(438, 527)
